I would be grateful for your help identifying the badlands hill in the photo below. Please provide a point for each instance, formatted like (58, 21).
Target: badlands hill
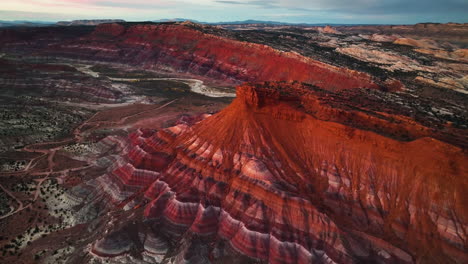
(291, 173)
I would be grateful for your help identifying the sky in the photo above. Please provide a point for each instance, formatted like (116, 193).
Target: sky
(293, 11)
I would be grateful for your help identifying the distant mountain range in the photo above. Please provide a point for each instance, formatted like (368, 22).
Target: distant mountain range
(88, 22)
(246, 22)
(25, 23)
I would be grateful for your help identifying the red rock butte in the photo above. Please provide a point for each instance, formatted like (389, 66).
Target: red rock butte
(291, 173)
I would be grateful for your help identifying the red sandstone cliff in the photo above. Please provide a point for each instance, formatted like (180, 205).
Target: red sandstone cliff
(289, 174)
(181, 48)
(189, 50)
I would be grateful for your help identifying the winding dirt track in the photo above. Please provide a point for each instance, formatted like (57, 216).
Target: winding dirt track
(13, 211)
(196, 86)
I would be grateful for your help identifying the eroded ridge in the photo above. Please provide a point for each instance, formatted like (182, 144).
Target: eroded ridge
(288, 174)
(183, 49)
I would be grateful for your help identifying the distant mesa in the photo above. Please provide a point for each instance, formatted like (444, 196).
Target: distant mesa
(93, 22)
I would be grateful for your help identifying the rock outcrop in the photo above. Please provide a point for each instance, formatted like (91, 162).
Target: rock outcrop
(456, 55)
(290, 173)
(444, 32)
(421, 43)
(328, 30)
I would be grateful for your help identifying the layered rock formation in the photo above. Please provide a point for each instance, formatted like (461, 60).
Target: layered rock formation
(185, 49)
(446, 32)
(290, 173)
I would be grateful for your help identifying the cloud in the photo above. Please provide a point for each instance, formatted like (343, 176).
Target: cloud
(456, 9)
(142, 5)
(259, 3)
(362, 6)
(231, 2)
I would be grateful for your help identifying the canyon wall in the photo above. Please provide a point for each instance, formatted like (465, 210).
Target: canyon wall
(183, 49)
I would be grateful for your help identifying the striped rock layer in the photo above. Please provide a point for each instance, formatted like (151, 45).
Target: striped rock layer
(285, 174)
